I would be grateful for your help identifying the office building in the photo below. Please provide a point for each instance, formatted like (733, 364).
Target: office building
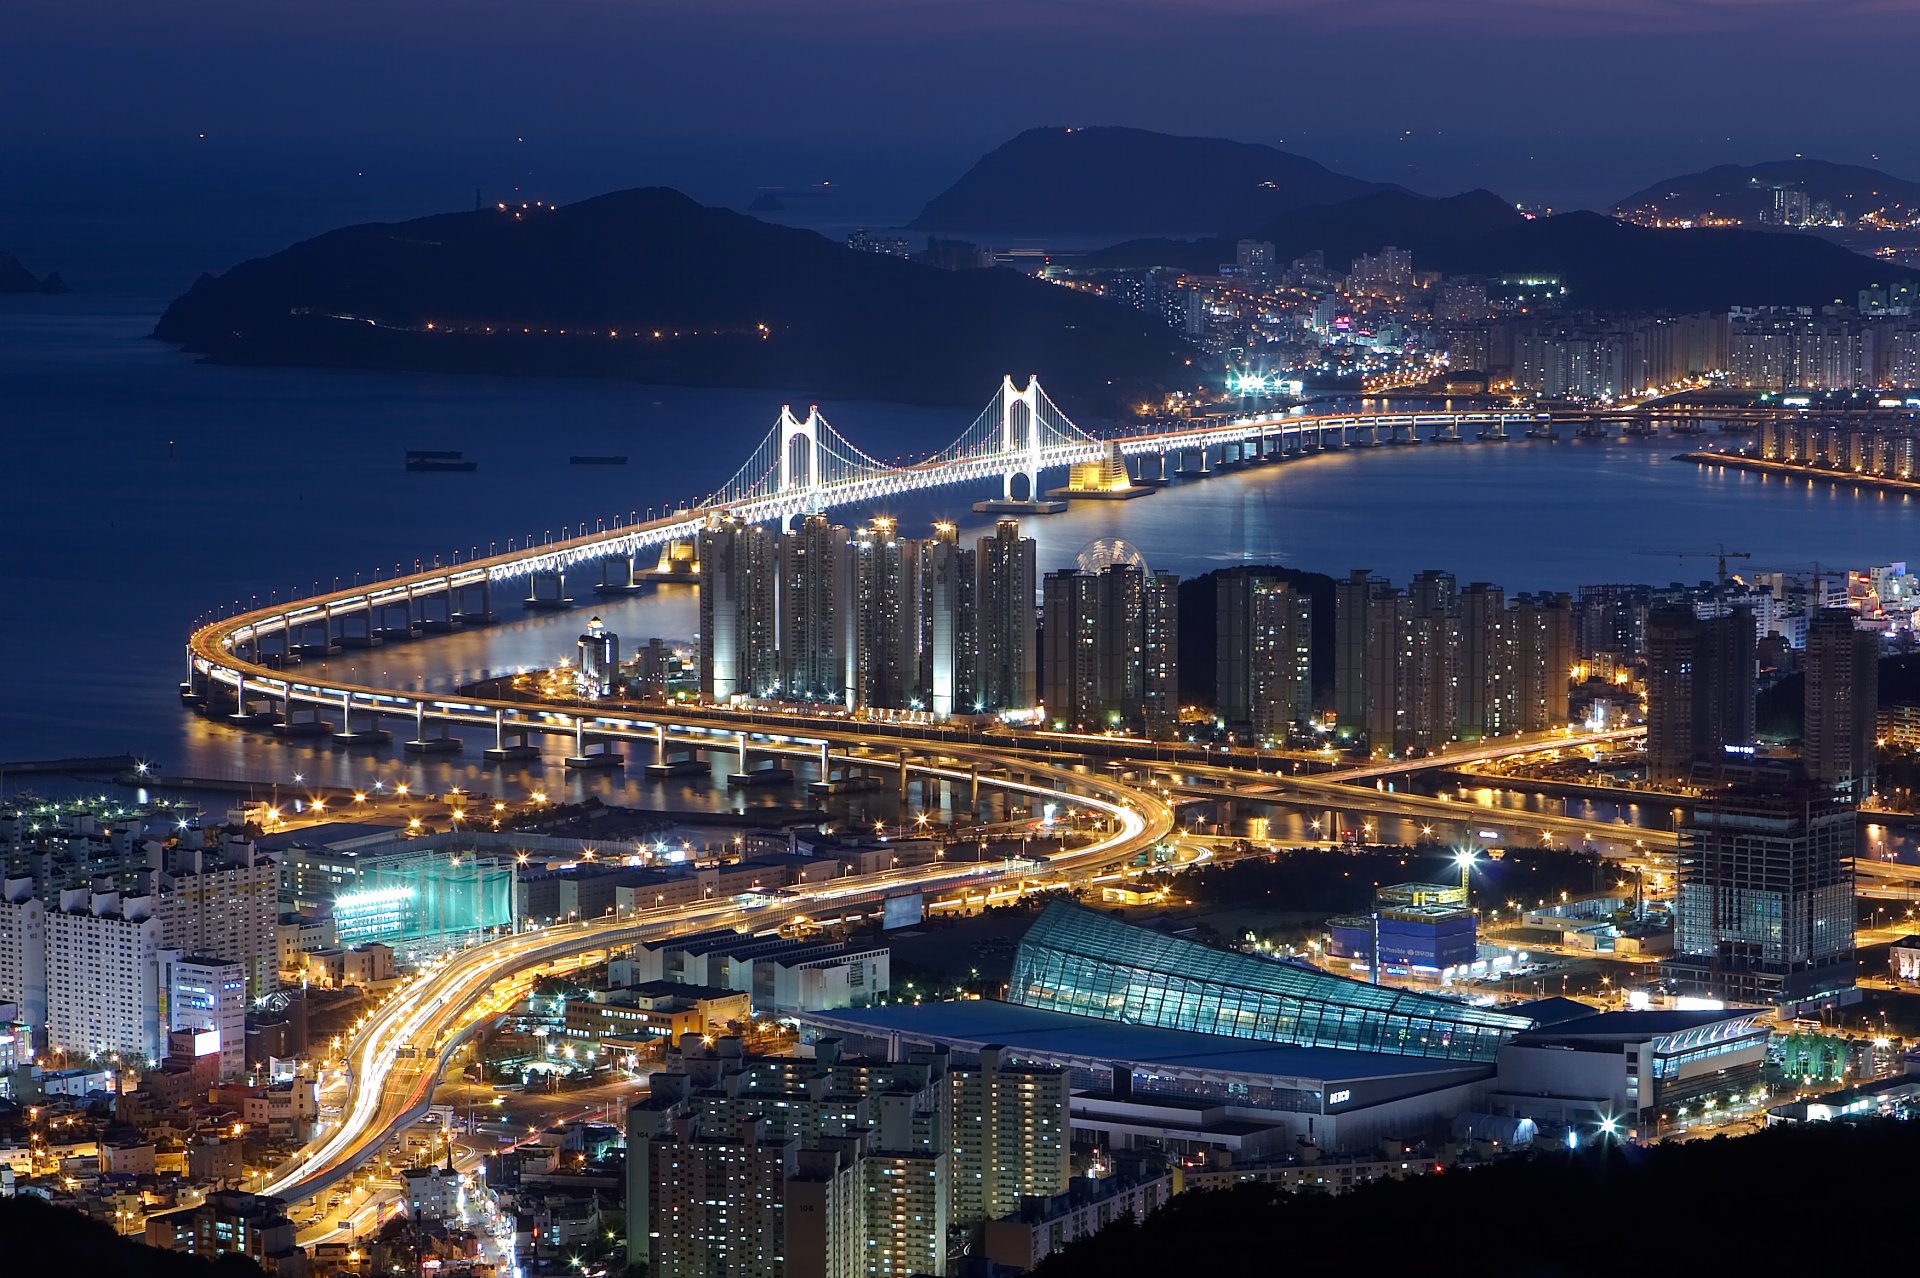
(599, 664)
(1765, 906)
(813, 603)
(207, 996)
(1420, 927)
(223, 902)
(23, 953)
(882, 619)
(950, 628)
(1263, 653)
(103, 973)
(1700, 688)
(1004, 599)
(1842, 703)
(738, 626)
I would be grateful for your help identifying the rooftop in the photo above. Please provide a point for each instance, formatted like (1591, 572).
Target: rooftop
(1036, 1033)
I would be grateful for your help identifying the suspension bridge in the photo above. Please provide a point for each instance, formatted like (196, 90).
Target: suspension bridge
(802, 466)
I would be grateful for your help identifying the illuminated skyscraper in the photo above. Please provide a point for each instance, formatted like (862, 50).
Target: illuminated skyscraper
(1262, 652)
(814, 597)
(737, 621)
(1700, 676)
(1765, 910)
(1004, 600)
(1842, 700)
(882, 621)
(948, 681)
(599, 659)
(1112, 648)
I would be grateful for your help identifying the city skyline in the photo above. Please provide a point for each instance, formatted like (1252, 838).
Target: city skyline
(548, 732)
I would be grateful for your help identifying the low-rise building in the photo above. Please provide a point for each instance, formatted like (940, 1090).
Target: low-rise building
(229, 1222)
(1043, 1226)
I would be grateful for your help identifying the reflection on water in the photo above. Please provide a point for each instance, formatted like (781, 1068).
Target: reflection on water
(145, 489)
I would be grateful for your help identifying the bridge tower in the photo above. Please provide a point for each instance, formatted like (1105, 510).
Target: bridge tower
(788, 476)
(1023, 454)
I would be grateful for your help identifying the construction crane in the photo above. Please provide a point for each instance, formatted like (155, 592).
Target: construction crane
(1719, 552)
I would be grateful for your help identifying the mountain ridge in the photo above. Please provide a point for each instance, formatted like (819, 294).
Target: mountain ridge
(1111, 180)
(1745, 190)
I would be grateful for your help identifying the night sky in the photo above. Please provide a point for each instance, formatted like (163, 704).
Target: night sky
(1566, 102)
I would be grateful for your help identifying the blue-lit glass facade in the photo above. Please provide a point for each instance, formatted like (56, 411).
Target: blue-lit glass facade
(1079, 961)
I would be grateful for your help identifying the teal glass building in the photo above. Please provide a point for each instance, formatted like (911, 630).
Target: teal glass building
(1085, 963)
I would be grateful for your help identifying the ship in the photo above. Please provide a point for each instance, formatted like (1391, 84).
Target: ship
(428, 459)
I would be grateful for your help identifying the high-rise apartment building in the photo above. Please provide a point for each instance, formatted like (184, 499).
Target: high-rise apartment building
(814, 593)
(1765, 909)
(738, 625)
(882, 619)
(223, 903)
(1420, 669)
(1842, 702)
(1487, 690)
(1011, 1136)
(1004, 599)
(1366, 624)
(1700, 688)
(1429, 650)
(23, 953)
(950, 626)
(103, 973)
(782, 1167)
(1542, 630)
(1263, 653)
(1112, 648)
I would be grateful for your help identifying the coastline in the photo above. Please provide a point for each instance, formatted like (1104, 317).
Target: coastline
(1761, 466)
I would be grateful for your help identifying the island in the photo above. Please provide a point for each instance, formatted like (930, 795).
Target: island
(646, 284)
(16, 278)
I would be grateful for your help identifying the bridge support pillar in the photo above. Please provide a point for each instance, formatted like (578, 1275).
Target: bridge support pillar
(539, 601)
(372, 734)
(510, 744)
(591, 753)
(616, 576)
(296, 720)
(424, 744)
(480, 596)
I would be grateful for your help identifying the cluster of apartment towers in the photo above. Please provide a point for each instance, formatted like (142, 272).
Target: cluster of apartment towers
(1436, 662)
(869, 619)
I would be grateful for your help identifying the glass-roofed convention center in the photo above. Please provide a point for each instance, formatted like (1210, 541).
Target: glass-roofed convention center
(1082, 962)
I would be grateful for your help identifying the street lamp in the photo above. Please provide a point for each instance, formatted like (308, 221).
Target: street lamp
(1464, 858)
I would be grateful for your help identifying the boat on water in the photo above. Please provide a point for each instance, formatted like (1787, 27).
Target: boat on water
(431, 459)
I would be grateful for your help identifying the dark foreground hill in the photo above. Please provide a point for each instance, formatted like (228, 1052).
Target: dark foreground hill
(43, 1240)
(1708, 1207)
(647, 284)
(1109, 181)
